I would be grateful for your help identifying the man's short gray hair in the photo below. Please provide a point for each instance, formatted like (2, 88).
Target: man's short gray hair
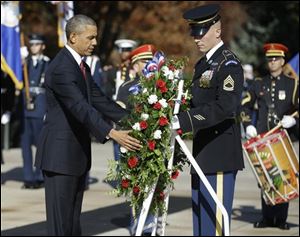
(77, 24)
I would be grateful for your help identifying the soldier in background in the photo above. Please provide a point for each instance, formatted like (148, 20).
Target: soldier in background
(277, 97)
(35, 110)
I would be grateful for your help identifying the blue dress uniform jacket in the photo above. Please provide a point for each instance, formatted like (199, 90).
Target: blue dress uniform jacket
(216, 90)
(124, 92)
(36, 74)
(275, 97)
(74, 108)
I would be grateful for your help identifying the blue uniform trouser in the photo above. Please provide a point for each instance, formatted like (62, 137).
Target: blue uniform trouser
(206, 220)
(29, 137)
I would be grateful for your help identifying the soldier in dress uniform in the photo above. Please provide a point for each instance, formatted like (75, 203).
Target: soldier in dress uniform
(34, 111)
(216, 90)
(138, 59)
(277, 98)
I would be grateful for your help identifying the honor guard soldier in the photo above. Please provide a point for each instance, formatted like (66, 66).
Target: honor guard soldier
(277, 98)
(138, 59)
(216, 92)
(34, 111)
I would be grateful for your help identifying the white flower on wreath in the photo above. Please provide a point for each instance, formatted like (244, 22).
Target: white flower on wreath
(144, 116)
(168, 73)
(157, 134)
(163, 103)
(123, 149)
(177, 73)
(145, 91)
(137, 127)
(152, 99)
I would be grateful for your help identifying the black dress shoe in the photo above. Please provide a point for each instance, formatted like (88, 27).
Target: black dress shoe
(283, 226)
(261, 224)
(146, 234)
(39, 184)
(29, 185)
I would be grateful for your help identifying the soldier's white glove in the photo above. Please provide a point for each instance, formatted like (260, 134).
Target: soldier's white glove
(175, 123)
(251, 131)
(288, 121)
(24, 52)
(5, 117)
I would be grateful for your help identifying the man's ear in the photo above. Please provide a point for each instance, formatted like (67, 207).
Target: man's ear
(218, 32)
(136, 67)
(73, 38)
(282, 61)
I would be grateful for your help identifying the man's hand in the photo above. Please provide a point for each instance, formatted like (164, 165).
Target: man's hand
(24, 52)
(251, 131)
(288, 121)
(125, 140)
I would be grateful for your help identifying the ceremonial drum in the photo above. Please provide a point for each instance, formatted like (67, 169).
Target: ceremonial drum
(275, 165)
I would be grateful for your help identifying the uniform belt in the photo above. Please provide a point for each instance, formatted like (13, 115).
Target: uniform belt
(37, 90)
(234, 119)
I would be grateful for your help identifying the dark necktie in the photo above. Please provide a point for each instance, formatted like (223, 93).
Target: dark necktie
(82, 68)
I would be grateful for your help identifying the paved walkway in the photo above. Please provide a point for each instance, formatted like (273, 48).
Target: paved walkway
(23, 211)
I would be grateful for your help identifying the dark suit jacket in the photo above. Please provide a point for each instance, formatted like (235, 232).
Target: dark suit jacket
(216, 90)
(74, 108)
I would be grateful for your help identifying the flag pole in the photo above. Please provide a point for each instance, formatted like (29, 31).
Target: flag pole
(29, 105)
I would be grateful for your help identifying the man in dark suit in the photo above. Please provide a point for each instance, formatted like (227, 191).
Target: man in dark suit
(74, 108)
(216, 91)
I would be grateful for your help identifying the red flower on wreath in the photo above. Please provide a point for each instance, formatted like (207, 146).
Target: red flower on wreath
(163, 121)
(179, 131)
(172, 67)
(160, 83)
(136, 189)
(161, 196)
(151, 145)
(143, 125)
(125, 183)
(157, 106)
(132, 161)
(175, 174)
(163, 89)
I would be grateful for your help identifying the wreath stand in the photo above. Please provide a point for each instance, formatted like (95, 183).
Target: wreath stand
(147, 202)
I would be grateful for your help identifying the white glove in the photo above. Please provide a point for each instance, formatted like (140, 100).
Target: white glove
(251, 131)
(175, 123)
(288, 121)
(5, 118)
(24, 52)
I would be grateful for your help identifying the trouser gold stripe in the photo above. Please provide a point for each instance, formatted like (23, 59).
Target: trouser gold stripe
(219, 223)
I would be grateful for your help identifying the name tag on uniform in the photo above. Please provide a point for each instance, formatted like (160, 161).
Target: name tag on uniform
(281, 95)
(205, 78)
